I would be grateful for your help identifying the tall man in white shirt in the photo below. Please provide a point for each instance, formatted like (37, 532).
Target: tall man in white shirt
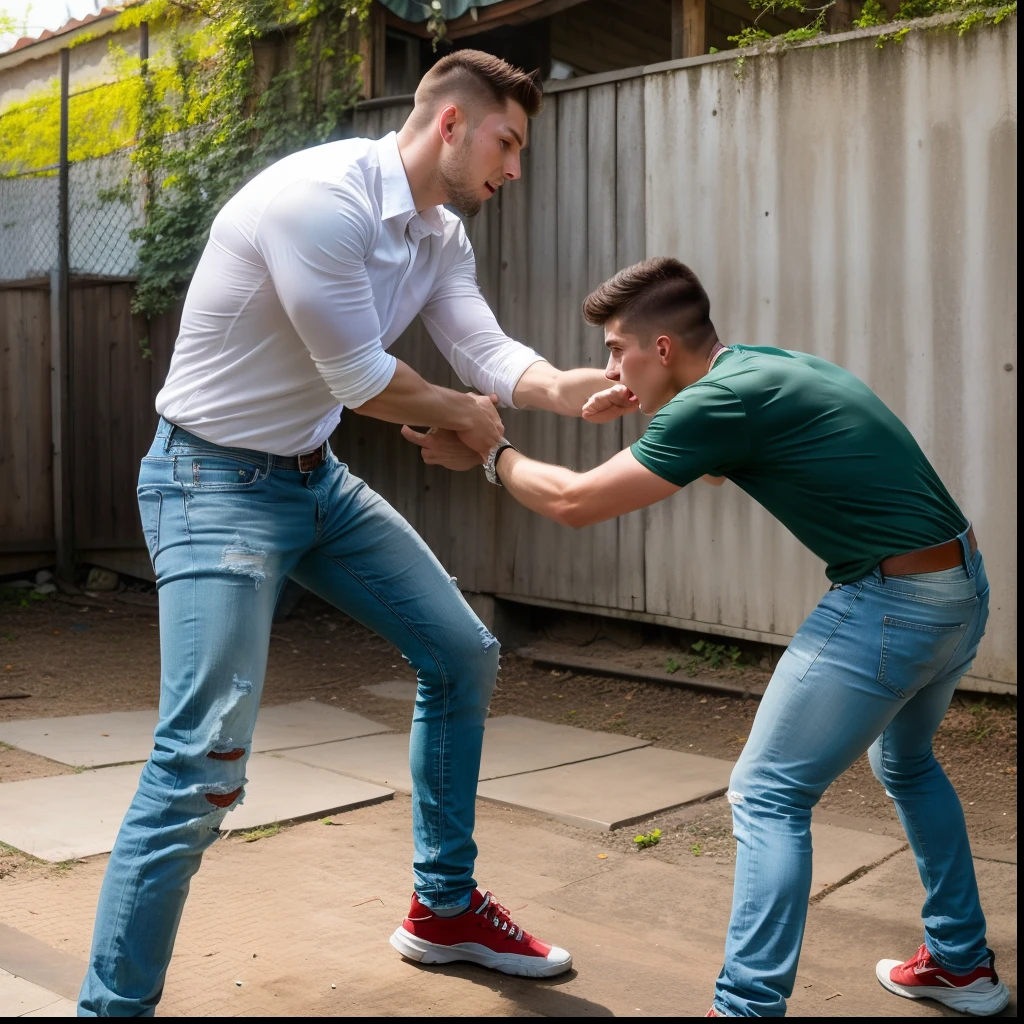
(311, 272)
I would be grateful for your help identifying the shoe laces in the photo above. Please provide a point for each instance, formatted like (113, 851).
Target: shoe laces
(922, 957)
(490, 909)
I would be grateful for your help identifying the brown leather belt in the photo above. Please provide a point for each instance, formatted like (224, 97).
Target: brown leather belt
(303, 463)
(934, 559)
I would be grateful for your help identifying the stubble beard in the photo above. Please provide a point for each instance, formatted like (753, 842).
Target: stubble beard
(460, 191)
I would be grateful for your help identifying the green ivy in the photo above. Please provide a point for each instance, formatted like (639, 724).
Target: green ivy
(971, 13)
(211, 125)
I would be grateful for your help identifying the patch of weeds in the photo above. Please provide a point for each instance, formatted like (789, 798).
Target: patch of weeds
(696, 850)
(571, 714)
(651, 838)
(5, 746)
(256, 834)
(22, 597)
(63, 866)
(981, 725)
(710, 655)
(671, 665)
(9, 638)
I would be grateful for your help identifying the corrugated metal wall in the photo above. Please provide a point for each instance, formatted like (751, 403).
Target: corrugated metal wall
(855, 202)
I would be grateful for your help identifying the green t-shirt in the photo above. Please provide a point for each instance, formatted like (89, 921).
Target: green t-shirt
(815, 446)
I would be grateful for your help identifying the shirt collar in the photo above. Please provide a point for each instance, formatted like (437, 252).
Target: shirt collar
(396, 196)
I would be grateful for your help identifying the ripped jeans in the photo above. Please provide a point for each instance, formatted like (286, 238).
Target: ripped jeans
(872, 669)
(225, 528)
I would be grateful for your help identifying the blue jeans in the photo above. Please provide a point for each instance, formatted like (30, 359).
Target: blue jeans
(225, 527)
(873, 668)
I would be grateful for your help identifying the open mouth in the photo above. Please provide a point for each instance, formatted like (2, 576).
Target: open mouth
(490, 188)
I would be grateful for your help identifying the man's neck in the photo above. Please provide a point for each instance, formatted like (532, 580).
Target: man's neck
(420, 165)
(716, 350)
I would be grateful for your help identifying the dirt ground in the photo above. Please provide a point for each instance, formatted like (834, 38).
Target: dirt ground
(79, 655)
(312, 906)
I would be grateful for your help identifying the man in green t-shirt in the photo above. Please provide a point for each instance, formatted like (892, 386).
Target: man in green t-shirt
(875, 664)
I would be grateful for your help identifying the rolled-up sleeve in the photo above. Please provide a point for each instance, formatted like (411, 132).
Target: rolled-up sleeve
(315, 238)
(467, 332)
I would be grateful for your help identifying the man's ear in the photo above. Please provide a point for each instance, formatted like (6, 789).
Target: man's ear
(664, 346)
(447, 121)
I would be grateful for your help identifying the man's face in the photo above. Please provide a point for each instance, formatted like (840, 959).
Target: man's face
(481, 160)
(641, 367)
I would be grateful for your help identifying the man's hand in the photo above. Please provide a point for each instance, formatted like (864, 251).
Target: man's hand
(482, 428)
(443, 448)
(610, 404)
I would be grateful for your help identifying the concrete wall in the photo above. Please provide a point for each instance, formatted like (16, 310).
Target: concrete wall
(35, 69)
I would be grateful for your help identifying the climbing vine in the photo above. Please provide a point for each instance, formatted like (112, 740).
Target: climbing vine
(237, 84)
(969, 13)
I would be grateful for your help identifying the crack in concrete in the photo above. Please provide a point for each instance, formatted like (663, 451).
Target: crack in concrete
(854, 875)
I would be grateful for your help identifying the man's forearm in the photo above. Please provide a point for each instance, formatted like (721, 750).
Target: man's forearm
(409, 398)
(542, 386)
(539, 486)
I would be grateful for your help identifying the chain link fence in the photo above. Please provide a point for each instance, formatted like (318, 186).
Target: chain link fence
(103, 210)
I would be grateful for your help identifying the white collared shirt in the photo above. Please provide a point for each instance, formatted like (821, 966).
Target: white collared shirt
(313, 269)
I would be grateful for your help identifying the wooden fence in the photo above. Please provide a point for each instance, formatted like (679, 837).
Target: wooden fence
(119, 363)
(763, 183)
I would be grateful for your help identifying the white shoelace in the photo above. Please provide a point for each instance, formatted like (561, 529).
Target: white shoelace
(499, 917)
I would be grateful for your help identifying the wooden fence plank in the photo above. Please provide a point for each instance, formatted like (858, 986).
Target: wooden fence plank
(531, 537)
(630, 247)
(573, 555)
(599, 443)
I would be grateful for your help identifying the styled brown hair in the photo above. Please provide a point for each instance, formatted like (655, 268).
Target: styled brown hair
(656, 294)
(472, 74)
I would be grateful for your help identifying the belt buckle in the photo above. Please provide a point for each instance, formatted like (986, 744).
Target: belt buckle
(310, 461)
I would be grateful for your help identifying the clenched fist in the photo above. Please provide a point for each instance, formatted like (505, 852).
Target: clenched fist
(610, 404)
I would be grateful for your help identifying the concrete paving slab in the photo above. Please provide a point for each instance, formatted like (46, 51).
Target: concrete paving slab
(380, 759)
(121, 737)
(61, 1008)
(26, 957)
(841, 852)
(610, 792)
(87, 741)
(20, 998)
(66, 817)
(394, 689)
(281, 790)
(514, 745)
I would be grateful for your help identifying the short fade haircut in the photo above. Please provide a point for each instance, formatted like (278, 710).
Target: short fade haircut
(473, 73)
(659, 294)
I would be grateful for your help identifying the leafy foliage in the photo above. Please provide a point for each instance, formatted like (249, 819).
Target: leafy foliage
(646, 839)
(970, 13)
(209, 120)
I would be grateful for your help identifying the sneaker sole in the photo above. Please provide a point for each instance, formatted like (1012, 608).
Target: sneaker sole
(422, 951)
(973, 1002)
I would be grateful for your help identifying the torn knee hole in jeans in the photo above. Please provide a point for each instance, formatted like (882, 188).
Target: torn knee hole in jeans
(226, 755)
(224, 799)
(223, 794)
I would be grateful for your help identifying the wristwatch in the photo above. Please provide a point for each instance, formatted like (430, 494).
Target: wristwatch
(491, 465)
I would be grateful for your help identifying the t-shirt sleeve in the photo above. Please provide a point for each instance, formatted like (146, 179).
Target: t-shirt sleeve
(702, 430)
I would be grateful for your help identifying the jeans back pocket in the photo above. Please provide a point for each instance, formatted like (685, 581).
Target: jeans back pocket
(913, 653)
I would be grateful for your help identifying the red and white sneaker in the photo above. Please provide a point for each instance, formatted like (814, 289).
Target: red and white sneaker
(978, 992)
(485, 934)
